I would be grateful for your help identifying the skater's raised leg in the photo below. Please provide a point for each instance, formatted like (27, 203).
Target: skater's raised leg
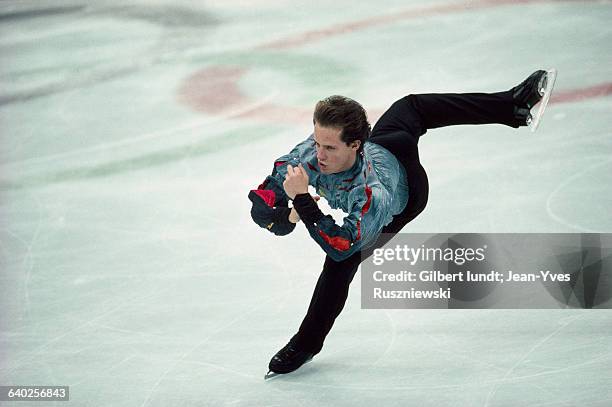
(415, 114)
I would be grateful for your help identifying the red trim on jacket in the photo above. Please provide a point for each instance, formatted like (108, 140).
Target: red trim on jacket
(366, 206)
(338, 243)
(268, 196)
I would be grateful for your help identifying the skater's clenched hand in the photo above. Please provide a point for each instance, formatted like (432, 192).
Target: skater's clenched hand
(296, 181)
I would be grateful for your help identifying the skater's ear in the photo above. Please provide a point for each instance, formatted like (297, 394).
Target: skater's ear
(354, 145)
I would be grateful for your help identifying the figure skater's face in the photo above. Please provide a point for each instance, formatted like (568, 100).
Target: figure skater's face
(333, 154)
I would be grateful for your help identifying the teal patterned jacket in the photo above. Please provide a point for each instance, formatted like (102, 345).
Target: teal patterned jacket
(370, 193)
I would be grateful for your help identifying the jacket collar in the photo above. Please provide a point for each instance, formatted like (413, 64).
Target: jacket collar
(350, 173)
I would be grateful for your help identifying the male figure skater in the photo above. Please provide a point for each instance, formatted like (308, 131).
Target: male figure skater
(375, 177)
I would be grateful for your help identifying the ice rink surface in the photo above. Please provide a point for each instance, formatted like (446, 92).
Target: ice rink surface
(131, 133)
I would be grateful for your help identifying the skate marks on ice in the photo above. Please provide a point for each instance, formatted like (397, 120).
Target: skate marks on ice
(133, 141)
(567, 182)
(341, 372)
(174, 364)
(516, 369)
(538, 344)
(35, 177)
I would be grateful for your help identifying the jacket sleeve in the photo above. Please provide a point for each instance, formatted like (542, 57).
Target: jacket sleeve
(294, 158)
(270, 208)
(360, 228)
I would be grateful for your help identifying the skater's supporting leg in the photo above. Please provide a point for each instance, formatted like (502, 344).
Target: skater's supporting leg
(332, 288)
(327, 302)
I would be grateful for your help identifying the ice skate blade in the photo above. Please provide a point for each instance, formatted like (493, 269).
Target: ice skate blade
(271, 375)
(551, 76)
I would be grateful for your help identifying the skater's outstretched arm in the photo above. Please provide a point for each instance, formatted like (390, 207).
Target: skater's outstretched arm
(270, 208)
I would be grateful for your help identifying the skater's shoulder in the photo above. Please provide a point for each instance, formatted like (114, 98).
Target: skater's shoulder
(378, 154)
(381, 163)
(306, 144)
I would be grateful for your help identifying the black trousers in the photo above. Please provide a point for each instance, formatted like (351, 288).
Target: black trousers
(398, 130)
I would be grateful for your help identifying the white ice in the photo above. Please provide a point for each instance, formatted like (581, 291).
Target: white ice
(131, 133)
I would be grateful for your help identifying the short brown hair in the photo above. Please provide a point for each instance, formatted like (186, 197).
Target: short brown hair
(344, 113)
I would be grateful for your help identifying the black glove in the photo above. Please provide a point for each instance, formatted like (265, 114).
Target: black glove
(307, 208)
(267, 214)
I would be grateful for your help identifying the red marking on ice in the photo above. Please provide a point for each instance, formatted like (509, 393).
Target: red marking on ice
(576, 95)
(339, 29)
(280, 114)
(214, 89)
